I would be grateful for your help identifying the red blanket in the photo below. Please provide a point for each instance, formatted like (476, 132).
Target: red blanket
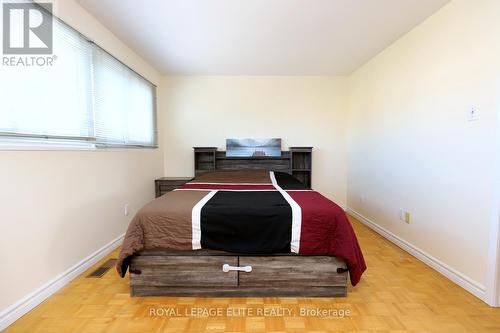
(326, 230)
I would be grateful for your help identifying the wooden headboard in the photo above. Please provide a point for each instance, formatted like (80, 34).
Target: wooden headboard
(297, 161)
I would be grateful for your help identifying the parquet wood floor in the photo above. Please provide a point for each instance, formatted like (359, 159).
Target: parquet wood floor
(398, 293)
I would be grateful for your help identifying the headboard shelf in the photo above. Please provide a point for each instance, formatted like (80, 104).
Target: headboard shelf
(296, 161)
(252, 158)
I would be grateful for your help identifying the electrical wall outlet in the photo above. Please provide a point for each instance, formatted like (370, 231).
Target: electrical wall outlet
(126, 210)
(404, 215)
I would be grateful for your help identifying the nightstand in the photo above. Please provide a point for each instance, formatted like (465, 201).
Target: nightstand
(167, 184)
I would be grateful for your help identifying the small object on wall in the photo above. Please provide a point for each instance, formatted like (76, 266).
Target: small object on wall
(404, 215)
(472, 114)
(249, 147)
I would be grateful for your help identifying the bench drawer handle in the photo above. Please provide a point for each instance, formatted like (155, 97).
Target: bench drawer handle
(226, 268)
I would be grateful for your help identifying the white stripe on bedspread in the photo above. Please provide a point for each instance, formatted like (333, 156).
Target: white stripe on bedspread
(296, 215)
(196, 219)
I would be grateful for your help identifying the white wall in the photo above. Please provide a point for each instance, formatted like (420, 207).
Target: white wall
(411, 146)
(58, 207)
(303, 111)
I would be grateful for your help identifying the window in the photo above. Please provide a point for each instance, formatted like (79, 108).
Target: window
(120, 99)
(85, 96)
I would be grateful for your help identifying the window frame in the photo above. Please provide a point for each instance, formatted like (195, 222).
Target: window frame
(25, 141)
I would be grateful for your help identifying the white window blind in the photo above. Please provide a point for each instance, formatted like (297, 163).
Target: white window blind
(123, 103)
(87, 95)
(50, 101)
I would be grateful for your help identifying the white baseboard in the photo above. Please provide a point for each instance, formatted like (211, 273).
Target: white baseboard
(463, 281)
(24, 305)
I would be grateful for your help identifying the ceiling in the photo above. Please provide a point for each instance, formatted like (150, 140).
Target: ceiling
(259, 37)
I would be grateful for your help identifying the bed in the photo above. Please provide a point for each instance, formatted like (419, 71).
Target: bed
(241, 232)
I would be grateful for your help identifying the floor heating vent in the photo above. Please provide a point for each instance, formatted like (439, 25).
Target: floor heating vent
(100, 271)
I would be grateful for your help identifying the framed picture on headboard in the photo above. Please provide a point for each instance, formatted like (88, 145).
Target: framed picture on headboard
(248, 147)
